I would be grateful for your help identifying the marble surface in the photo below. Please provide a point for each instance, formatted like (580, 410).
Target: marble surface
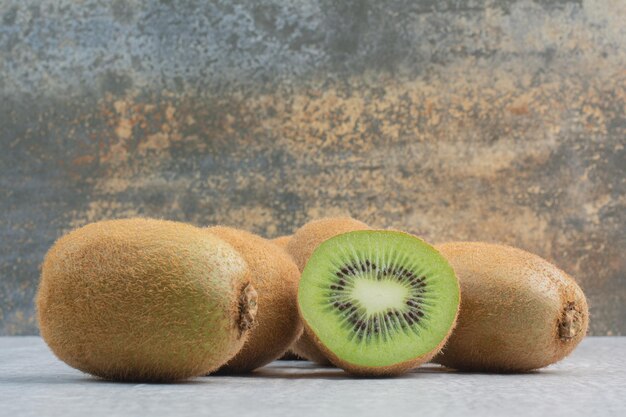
(591, 382)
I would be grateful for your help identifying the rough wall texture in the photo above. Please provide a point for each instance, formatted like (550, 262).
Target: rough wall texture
(485, 120)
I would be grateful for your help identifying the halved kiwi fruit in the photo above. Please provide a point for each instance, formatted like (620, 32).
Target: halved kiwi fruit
(378, 302)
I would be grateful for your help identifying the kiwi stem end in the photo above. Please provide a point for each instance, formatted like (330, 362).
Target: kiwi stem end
(247, 308)
(571, 322)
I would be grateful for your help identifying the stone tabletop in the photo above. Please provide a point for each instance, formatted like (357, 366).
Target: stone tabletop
(591, 382)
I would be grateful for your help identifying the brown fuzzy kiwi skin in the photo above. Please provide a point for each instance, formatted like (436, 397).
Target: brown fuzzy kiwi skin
(281, 241)
(306, 348)
(308, 237)
(275, 277)
(518, 311)
(144, 300)
(301, 246)
(290, 356)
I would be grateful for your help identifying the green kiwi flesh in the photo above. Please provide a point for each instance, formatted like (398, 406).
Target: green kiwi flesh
(378, 302)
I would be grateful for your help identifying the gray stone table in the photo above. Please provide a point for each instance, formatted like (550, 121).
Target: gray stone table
(592, 382)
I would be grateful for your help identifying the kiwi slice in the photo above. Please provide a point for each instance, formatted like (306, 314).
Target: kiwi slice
(378, 302)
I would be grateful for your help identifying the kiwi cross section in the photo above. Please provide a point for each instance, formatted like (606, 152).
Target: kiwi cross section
(377, 298)
(376, 301)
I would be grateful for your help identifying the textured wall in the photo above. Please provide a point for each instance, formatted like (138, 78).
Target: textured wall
(487, 120)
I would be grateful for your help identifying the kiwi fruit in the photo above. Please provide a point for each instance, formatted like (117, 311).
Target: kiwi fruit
(144, 300)
(301, 245)
(308, 237)
(378, 302)
(518, 311)
(275, 277)
(282, 241)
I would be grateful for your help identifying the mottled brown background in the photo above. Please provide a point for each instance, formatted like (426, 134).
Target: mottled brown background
(486, 120)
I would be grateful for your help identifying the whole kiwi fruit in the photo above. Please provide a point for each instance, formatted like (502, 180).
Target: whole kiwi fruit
(281, 241)
(301, 246)
(518, 311)
(144, 300)
(275, 277)
(378, 302)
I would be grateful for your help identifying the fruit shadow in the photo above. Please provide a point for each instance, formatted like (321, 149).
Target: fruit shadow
(535, 372)
(545, 372)
(284, 370)
(309, 370)
(81, 380)
(306, 370)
